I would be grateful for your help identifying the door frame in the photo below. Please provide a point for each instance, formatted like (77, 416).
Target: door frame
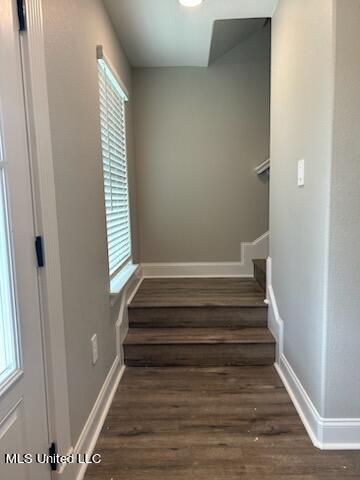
(46, 225)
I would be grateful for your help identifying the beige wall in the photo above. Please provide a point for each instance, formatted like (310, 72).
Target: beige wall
(343, 328)
(72, 31)
(301, 124)
(199, 134)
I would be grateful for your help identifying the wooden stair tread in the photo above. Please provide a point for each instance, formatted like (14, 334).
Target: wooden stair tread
(198, 292)
(205, 336)
(198, 322)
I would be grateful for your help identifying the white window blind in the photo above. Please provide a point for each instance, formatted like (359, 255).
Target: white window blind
(113, 140)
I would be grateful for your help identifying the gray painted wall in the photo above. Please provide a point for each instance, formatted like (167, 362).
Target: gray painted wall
(301, 126)
(199, 134)
(315, 230)
(343, 337)
(72, 31)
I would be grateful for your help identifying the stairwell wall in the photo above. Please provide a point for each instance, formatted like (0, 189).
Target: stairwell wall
(315, 229)
(301, 128)
(342, 388)
(199, 134)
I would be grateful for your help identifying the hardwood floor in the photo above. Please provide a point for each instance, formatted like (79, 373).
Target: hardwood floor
(198, 292)
(202, 418)
(223, 423)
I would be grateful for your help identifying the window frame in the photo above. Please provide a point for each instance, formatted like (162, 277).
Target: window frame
(9, 328)
(119, 85)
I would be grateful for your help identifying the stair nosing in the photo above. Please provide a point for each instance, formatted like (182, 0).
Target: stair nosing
(152, 306)
(143, 344)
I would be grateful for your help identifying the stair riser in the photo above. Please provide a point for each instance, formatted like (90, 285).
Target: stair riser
(260, 277)
(168, 317)
(199, 355)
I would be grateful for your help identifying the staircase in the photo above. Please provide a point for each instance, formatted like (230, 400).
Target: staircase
(199, 322)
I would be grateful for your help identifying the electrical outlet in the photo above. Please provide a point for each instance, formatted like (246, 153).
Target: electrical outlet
(301, 173)
(94, 347)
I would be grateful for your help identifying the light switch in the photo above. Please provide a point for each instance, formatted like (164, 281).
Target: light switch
(94, 349)
(301, 173)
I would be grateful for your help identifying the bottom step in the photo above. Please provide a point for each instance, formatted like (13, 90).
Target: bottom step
(199, 347)
(199, 355)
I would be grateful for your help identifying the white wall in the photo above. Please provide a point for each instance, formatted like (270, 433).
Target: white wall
(343, 337)
(301, 126)
(199, 134)
(72, 31)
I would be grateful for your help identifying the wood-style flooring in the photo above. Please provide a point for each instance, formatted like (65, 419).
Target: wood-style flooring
(222, 423)
(198, 322)
(198, 292)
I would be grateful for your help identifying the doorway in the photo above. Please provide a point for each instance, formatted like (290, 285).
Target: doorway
(23, 413)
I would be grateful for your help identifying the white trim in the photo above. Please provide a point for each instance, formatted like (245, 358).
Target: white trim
(91, 431)
(249, 251)
(121, 325)
(138, 285)
(259, 248)
(128, 287)
(8, 381)
(118, 282)
(46, 224)
(325, 433)
(305, 408)
(275, 323)
(263, 167)
(101, 56)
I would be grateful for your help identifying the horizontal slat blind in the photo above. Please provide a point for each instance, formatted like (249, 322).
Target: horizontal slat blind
(113, 140)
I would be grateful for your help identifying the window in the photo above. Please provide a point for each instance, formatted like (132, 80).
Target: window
(113, 140)
(8, 324)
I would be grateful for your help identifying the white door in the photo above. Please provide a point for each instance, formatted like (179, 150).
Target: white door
(23, 420)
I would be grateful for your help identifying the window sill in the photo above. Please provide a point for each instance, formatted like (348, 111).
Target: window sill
(118, 283)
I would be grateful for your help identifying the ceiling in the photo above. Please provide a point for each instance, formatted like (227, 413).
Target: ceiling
(162, 33)
(227, 34)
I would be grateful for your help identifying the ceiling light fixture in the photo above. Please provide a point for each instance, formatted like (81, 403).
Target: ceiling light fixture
(190, 3)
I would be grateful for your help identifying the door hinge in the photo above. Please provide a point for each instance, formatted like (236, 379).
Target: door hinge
(21, 9)
(39, 249)
(53, 457)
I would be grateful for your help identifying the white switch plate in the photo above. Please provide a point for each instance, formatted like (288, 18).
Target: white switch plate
(94, 346)
(301, 173)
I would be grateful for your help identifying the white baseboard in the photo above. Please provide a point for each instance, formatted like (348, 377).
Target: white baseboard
(244, 268)
(275, 323)
(91, 431)
(300, 399)
(259, 248)
(325, 433)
